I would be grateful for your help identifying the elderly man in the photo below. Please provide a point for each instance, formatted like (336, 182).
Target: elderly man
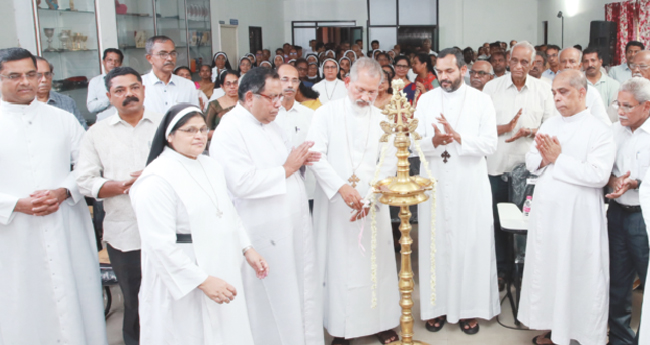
(265, 178)
(566, 276)
(628, 239)
(45, 94)
(164, 89)
(113, 154)
(499, 63)
(294, 118)
(346, 132)
(331, 88)
(522, 104)
(97, 101)
(552, 55)
(571, 58)
(606, 86)
(480, 74)
(641, 65)
(458, 129)
(624, 72)
(52, 290)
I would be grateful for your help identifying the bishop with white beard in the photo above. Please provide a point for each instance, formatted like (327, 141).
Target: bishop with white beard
(346, 132)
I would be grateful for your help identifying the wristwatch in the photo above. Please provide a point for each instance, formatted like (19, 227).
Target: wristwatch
(638, 184)
(67, 194)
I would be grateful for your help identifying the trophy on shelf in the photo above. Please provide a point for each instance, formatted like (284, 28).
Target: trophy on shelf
(72, 6)
(76, 41)
(64, 37)
(49, 33)
(84, 39)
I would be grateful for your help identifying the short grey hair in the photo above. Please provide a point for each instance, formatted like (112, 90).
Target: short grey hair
(153, 40)
(639, 87)
(526, 44)
(370, 66)
(568, 49)
(578, 80)
(39, 58)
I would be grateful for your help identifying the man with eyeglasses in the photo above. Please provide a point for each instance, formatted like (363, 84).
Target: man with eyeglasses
(522, 104)
(624, 71)
(112, 156)
(628, 239)
(97, 101)
(480, 74)
(641, 65)
(164, 89)
(46, 95)
(265, 177)
(552, 55)
(51, 291)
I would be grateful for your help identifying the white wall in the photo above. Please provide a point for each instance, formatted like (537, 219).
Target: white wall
(473, 22)
(577, 16)
(8, 24)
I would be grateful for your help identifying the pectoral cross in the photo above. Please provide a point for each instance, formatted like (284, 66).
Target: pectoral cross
(353, 180)
(445, 156)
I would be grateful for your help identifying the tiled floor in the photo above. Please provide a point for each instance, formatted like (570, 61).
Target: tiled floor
(491, 332)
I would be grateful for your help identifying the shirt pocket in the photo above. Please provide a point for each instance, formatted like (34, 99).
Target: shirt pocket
(531, 117)
(642, 163)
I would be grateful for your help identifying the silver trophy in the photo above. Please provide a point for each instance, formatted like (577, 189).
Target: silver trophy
(49, 33)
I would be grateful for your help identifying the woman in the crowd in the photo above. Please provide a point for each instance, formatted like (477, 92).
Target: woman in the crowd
(244, 66)
(402, 67)
(220, 63)
(259, 57)
(192, 241)
(292, 62)
(345, 64)
(184, 72)
(308, 97)
(312, 72)
(350, 54)
(312, 58)
(251, 58)
(331, 87)
(330, 54)
(391, 56)
(219, 107)
(278, 61)
(382, 58)
(385, 90)
(425, 79)
(375, 53)
(266, 64)
(218, 90)
(206, 84)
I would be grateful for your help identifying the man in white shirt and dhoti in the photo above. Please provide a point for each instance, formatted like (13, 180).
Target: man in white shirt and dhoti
(346, 132)
(566, 276)
(265, 178)
(51, 291)
(113, 154)
(458, 128)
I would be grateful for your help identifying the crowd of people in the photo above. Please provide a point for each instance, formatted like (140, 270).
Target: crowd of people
(235, 203)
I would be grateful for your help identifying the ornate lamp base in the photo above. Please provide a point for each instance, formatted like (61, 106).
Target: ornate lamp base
(415, 342)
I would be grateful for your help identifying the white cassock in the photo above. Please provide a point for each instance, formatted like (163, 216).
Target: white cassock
(644, 199)
(51, 290)
(466, 274)
(174, 196)
(330, 90)
(565, 285)
(346, 268)
(596, 106)
(285, 307)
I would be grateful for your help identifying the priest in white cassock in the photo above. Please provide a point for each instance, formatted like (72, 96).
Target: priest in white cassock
(193, 241)
(265, 177)
(295, 119)
(51, 290)
(347, 132)
(331, 87)
(458, 128)
(566, 276)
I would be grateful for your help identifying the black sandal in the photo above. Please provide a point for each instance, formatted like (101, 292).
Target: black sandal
(439, 320)
(543, 336)
(340, 341)
(386, 336)
(469, 330)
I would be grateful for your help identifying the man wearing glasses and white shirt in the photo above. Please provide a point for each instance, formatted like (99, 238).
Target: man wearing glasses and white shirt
(163, 89)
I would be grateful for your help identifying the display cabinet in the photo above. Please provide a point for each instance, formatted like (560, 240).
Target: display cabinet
(67, 38)
(135, 23)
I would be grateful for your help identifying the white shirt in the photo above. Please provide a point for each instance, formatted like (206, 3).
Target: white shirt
(595, 105)
(97, 101)
(110, 151)
(621, 73)
(633, 155)
(295, 123)
(536, 101)
(330, 90)
(608, 88)
(160, 97)
(550, 74)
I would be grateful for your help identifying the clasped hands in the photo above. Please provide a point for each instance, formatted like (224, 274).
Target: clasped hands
(549, 147)
(220, 291)
(300, 156)
(448, 137)
(42, 202)
(620, 185)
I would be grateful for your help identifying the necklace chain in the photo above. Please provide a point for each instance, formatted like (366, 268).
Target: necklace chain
(215, 202)
(354, 178)
(336, 83)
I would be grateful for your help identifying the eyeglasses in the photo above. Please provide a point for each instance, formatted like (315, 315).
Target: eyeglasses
(479, 73)
(524, 63)
(329, 67)
(641, 67)
(231, 84)
(193, 130)
(402, 66)
(165, 55)
(16, 77)
(47, 75)
(273, 99)
(625, 107)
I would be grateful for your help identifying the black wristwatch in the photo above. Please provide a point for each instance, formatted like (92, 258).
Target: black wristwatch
(67, 194)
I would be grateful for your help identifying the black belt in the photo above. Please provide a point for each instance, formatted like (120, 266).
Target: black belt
(183, 238)
(629, 209)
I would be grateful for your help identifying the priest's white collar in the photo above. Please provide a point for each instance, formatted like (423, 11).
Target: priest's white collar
(247, 114)
(18, 108)
(577, 117)
(355, 110)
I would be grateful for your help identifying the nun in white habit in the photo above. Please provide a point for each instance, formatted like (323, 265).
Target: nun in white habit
(193, 242)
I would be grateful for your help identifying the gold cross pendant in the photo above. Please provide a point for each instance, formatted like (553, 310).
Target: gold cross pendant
(353, 180)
